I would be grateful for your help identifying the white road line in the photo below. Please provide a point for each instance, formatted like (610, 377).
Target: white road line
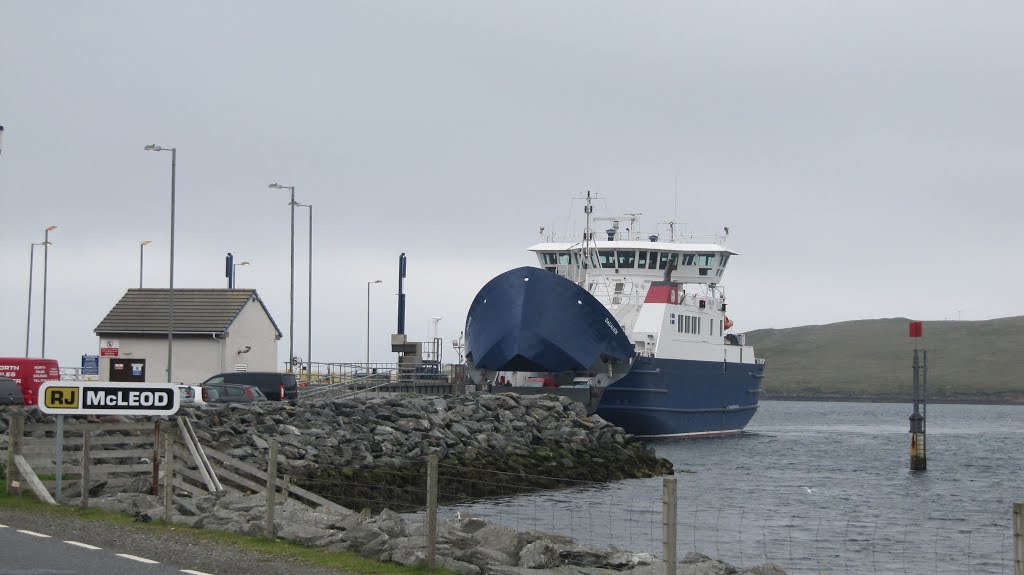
(82, 545)
(33, 533)
(134, 558)
(191, 572)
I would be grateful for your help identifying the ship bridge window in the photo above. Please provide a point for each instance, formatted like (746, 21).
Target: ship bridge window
(652, 261)
(666, 257)
(563, 259)
(627, 258)
(706, 259)
(641, 260)
(607, 258)
(687, 259)
(723, 260)
(547, 258)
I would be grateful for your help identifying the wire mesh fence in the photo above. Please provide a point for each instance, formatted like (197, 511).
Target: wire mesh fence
(629, 516)
(600, 515)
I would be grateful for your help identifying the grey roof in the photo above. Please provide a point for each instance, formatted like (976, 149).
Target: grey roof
(196, 311)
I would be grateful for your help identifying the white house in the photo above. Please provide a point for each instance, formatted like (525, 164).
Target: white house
(215, 330)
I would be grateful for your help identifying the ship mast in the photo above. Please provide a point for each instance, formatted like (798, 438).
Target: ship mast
(588, 238)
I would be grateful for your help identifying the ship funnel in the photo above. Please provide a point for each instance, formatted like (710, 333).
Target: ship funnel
(611, 234)
(653, 237)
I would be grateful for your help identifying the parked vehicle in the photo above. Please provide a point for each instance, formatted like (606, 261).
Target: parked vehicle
(10, 392)
(29, 373)
(276, 386)
(233, 393)
(197, 395)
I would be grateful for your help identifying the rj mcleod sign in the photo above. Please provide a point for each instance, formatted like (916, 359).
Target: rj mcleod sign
(105, 398)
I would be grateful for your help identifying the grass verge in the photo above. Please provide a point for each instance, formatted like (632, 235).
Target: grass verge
(342, 560)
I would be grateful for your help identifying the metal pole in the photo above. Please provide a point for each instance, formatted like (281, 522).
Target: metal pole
(367, 326)
(142, 245)
(291, 310)
(309, 321)
(170, 289)
(59, 463)
(28, 321)
(46, 259)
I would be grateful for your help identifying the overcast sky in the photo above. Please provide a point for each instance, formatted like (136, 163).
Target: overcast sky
(867, 156)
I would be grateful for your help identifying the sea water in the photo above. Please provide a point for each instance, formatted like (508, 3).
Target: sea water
(816, 487)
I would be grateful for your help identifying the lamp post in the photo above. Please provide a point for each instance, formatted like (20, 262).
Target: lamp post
(170, 288)
(309, 303)
(142, 244)
(368, 284)
(28, 322)
(46, 258)
(234, 270)
(291, 309)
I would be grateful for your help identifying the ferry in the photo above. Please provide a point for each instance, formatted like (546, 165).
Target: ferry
(633, 327)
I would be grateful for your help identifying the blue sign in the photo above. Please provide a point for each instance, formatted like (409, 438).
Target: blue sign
(90, 365)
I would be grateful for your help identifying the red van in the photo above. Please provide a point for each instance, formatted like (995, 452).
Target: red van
(30, 373)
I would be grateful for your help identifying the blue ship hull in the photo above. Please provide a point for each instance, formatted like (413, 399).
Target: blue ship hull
(528, 319)
(665, 398)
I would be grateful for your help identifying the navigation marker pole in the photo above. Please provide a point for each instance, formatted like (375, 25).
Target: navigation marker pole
(918, 455)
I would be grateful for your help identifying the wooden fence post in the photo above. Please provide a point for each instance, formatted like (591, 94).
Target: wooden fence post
(15, 431)
(1018, 538)
(155, 489)
(668, 525)
(168, 476)
(432, 511)
(271, 487)
(86, 463)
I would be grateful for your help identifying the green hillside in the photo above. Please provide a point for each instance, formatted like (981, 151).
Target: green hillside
(972, 361)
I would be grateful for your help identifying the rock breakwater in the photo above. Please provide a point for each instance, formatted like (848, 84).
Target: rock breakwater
(361, 451)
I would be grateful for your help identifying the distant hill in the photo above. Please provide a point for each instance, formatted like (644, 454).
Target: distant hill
(970, 361)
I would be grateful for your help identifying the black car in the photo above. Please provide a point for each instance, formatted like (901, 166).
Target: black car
(232, 393)
(10, 392)
(276, 386)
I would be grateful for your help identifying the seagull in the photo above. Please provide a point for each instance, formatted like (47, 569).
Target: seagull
(809, 489)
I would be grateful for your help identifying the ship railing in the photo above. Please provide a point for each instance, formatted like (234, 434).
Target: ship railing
(677, 238)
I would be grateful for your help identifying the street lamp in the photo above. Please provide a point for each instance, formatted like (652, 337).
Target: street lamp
(368, 284)
(291, 309)
(309, 303)
(234, 270)
(46, 258)
(170, 288)
(142, 245)
(28, 322)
